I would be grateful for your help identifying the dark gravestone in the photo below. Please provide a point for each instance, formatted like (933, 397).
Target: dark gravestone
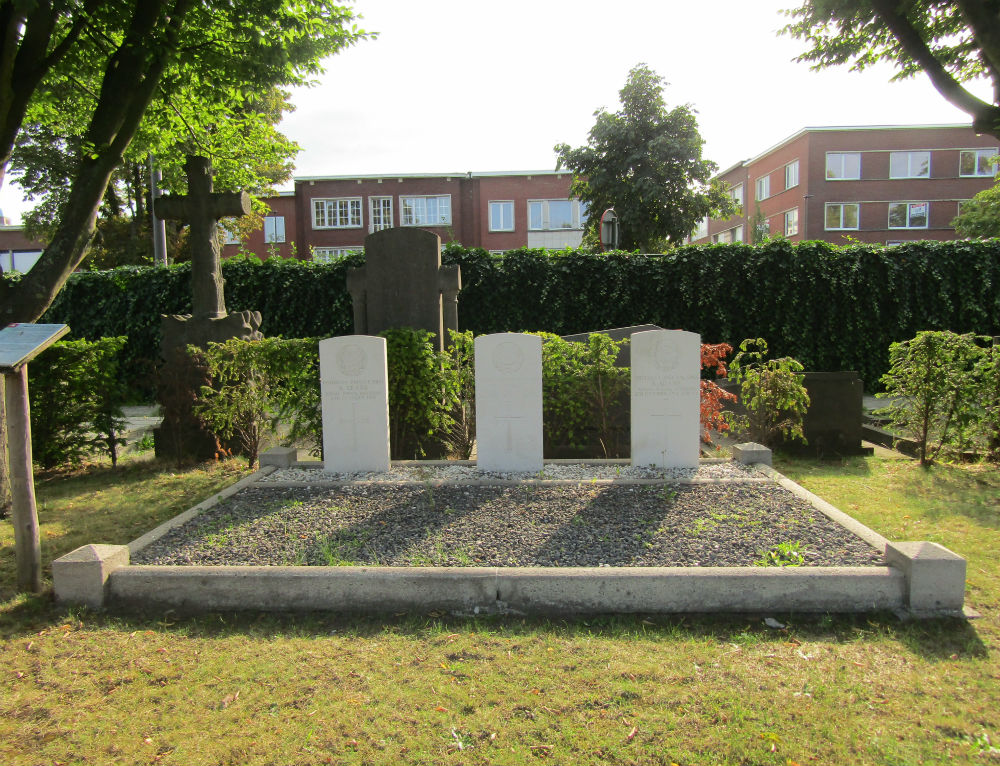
(181, 435)
(403, 284)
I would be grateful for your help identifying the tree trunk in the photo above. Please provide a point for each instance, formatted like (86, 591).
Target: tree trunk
(5, 497)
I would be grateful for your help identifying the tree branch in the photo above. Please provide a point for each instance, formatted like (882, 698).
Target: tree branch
(985, 116)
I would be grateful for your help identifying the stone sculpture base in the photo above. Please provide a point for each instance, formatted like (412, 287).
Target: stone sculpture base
(182, 436)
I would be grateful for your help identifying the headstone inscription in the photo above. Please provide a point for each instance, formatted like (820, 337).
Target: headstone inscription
(403, 284)
(354, 391)
(509, 402)
(181, 433)
(665, 397)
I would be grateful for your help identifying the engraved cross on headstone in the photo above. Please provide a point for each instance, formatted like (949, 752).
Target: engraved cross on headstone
(202, 208)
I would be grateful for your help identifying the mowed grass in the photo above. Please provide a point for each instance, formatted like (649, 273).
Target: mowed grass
(82, 687)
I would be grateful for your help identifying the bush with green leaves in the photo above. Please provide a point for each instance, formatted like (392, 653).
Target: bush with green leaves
(584, 393)
(941, 387)
(773, 396)
(460, 378)
(76, 395)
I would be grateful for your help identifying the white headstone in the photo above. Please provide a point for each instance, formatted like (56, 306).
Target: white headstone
(354, 390)
(666, 391)
(509, 402)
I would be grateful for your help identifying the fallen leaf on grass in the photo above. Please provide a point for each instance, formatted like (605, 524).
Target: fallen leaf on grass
(441, 709)
(631, 734)
(228, 700)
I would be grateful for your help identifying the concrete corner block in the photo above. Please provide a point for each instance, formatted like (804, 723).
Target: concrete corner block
(935, 577)
(282, 457)
(751, 452)
(81, 576)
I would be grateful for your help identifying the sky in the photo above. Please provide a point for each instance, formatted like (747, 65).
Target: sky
(459, 85)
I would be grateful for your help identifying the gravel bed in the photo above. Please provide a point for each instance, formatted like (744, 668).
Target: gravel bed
(404, 472)
(679, 524)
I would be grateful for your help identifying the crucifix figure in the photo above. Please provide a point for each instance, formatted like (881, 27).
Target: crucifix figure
(202, 208)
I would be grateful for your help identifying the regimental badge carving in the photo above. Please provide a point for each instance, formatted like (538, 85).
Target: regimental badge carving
(508, 358)
(666, 356)
(351, 360)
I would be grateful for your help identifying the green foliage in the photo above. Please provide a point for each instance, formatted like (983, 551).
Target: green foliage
(951, 42)
(832, 308)
(420, 401)
(460, 378)
(773, 396)
(980, 216)
(782, 555)
(583, 390)
(939, 382)
(76, 401)
(645, 161)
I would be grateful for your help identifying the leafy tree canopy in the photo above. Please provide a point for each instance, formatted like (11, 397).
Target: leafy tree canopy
(952, 42)
(110, 80)
(645, 161)
(980, 216)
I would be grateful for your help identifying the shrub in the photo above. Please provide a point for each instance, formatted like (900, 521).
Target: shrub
(76, 401)
(935, 381)
(460, 378)
(773, 396)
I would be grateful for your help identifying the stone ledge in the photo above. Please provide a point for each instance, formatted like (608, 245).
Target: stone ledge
(751, 452)
(81, 576)
(935, 577)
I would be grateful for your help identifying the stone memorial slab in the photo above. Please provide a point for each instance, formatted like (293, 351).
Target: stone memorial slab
(666, 390)
(509, 402)
(354, 393)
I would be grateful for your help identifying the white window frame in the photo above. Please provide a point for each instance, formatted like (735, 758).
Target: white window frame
(912, 158)
(988, 154)
(792, 174)
(909, 215)
(578, 215)
(700, 230)
(841, 205)
(230, 236)
(838, 162)
(762, 187)
(413, 210)
(336, 213)
(506, 208)
(736, 194)
(379, 208)
(274, 229)
(328, 254)
(791, 222)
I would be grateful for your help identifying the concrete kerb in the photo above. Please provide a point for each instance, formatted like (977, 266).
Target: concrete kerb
(921, 579)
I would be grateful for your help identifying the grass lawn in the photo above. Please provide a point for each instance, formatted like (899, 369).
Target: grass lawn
(82, 687)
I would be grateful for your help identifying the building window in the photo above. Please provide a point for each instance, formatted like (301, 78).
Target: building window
(843, 166)
(977, 162)
(274, 228)
(792, 174)
(763, 187)
(342, 213)
(379, 213)
(426, 211)
(736, 194)
(738, 233)
(502, 216)
(329, 254)
(791, 222)
(729, 235)
(909, 164)
(230, 234)
(842, 215)
(700, 229)
(908, 215)
(554, 214)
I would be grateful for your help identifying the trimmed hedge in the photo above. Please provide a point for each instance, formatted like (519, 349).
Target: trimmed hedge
(832, 308)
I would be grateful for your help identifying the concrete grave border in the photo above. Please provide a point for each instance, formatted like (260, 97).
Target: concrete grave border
(919, 579)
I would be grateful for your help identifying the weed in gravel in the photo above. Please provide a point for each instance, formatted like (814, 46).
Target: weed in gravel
(782, 555)
(343, 549)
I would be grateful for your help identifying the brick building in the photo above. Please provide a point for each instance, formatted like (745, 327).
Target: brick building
(331, 215)
(878, 184)
(17, 251)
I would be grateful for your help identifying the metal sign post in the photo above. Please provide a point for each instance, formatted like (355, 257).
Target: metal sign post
(19, 343)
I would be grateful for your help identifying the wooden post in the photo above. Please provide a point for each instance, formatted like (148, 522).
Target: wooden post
(27, 548)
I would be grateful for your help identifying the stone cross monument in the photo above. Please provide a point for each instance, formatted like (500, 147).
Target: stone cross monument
(181, 434)
(403, 284)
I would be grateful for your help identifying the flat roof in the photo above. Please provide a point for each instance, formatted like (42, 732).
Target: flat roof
(464, 174)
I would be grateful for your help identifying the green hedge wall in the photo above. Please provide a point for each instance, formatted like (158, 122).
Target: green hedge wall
(832, 308)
